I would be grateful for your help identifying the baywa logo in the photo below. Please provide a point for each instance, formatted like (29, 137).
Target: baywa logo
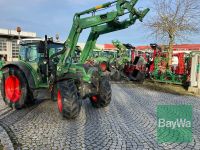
(178, 123)
(174, 123)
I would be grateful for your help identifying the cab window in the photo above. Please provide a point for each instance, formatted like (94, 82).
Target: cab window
(29, 53)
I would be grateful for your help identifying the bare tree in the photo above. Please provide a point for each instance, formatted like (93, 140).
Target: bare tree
(174, 19)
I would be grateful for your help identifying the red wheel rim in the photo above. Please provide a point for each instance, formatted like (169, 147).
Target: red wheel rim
(59, 99)
(94, 99)
(12, 89)
(103, 67)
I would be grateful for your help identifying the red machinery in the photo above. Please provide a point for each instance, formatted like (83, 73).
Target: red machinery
(180, 69)
(135, 70)
(160, 71)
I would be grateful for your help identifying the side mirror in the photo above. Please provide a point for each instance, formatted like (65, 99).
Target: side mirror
(41, 47)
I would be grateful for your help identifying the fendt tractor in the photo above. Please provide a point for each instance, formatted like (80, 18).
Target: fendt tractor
(105, 60)
(67, 78)
(103, 56)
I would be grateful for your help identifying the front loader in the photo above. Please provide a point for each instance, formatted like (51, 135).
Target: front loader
(68, 79)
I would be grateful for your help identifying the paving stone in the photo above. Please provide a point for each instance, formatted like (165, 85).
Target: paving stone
(129, 122)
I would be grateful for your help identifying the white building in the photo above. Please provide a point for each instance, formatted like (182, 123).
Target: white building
(99, 46)
(9, 49)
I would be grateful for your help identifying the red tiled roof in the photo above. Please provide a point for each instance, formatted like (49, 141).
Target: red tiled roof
(186, 47)
(143, 47)
(109, 46)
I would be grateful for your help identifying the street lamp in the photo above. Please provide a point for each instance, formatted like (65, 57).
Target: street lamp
(19, 38)
(19, 31)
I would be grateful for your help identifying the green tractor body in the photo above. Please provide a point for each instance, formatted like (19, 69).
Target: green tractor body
(106, 56)
(2, 62)
(33, 63)
(105, 59)
(103, 56)
(63, 71)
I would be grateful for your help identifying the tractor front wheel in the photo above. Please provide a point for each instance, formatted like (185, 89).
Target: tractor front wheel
(69, 104)
(103, 98)
(14, 89)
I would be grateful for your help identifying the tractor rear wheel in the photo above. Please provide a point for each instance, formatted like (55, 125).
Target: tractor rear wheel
(69, 104)
(103, 98)
(15, 91)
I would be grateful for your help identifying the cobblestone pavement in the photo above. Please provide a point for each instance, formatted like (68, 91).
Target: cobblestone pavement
(129, 122)
(5, 139)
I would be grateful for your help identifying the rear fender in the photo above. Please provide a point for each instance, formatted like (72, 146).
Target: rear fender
(30, 74)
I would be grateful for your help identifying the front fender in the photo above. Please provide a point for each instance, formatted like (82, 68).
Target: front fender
(30, 74)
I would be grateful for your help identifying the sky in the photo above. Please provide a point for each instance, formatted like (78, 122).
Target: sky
(51, 17)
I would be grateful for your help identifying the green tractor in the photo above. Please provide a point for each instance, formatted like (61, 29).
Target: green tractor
(124, 53)
(65, 76)
(104, 60)
(99, 56)
(2, 62)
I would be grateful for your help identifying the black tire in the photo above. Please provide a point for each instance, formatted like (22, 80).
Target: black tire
(141, 77)
(15, 77)
(103, 98)
(71, 104)
(116, 76)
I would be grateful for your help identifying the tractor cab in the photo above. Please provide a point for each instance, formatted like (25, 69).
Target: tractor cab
(32, 51)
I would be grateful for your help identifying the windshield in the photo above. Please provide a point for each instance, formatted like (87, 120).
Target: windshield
(28, 52)
(109, 54)
(95, 54)
(54, 48)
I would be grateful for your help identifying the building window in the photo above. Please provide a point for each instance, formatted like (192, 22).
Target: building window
(3, 46)
(15, 49)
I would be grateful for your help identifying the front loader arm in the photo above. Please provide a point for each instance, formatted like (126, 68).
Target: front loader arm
(122, 49)
(100, 24)
(107, 28)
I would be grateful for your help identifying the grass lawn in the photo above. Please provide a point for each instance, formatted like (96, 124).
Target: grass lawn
(167, 88)
(157, 86)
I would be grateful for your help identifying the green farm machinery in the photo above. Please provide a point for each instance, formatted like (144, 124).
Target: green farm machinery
(102, 58)
(105, 60)
(62, 72)
(130, 67)
(124, 51)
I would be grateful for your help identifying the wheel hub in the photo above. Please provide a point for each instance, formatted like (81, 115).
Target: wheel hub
(94, 99)
(12, 89)
(103, 67)
(59, 100)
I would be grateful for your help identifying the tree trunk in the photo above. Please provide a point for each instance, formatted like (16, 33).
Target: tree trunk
(171, 43)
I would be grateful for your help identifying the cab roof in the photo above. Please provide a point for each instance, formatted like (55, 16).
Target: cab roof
(35, 40)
